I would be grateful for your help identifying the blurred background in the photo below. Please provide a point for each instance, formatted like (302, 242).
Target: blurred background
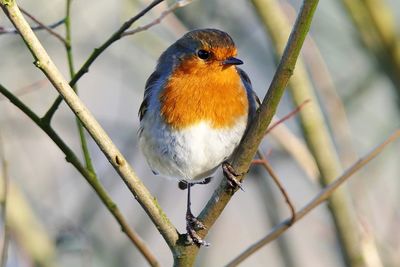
(54, 213)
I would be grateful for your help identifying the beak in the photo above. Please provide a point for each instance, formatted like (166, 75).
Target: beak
(232, 61)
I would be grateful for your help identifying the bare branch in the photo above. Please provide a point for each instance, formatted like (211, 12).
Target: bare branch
(165, 13)
(117, 160)
(321, 197)
(264, 162)
(297, 149)
(28, 88)
(43, 26)
(288, 116)
(34, 28)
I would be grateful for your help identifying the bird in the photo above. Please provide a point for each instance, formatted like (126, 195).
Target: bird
(196, 108)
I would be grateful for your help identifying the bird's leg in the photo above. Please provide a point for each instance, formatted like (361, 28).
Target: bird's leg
(183, 184)
(192, 223)
(205, 181)
(231, 174)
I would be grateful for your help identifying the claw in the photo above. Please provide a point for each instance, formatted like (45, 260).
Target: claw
(194, 222)
(192, 225)
(196, 239)
(231, 174)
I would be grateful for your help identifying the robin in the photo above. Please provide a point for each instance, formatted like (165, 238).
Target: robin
(197, 105)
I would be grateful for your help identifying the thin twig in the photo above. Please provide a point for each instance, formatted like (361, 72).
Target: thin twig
(321, 197)
(70, 59)
(115, 157)
(297, 149)
(331, 101)
(34, 28)
(288, 116)
(165, 13)
(43, 26)
(97, 52)
(274, 176)
(28, 88)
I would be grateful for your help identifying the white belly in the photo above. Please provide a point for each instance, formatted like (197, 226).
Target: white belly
(189, 154)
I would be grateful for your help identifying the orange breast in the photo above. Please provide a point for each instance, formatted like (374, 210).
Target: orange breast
(196, 93)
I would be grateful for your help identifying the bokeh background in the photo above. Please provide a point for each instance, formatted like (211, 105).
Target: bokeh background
(58, 212)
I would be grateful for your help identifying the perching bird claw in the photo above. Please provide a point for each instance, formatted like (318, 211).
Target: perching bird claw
(193, 225)
(231, 175)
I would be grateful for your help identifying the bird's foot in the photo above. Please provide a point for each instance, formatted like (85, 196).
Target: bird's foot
(231, 175)
(193, 225)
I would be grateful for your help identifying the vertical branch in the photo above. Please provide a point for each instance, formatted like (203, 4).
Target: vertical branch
(68, 48)
(316, 134)
(376, 30)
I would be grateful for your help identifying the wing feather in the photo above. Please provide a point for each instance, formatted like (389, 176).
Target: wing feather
(151, 81)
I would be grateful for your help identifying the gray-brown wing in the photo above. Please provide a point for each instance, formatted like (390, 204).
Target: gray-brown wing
(151, 81)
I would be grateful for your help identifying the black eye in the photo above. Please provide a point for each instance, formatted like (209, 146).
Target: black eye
(203, 54)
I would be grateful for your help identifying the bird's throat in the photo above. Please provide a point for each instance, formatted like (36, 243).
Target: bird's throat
(194, 94)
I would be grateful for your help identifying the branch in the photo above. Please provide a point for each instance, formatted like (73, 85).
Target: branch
(321, 197)
(90, 177)
(172, 8)
(43, 26)
(316, 133)
(117, 160)
(28, 88)
(70, 59)
(288, 116)
(297, 149)
(264, 162)
(97, 52)
(35, 28)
